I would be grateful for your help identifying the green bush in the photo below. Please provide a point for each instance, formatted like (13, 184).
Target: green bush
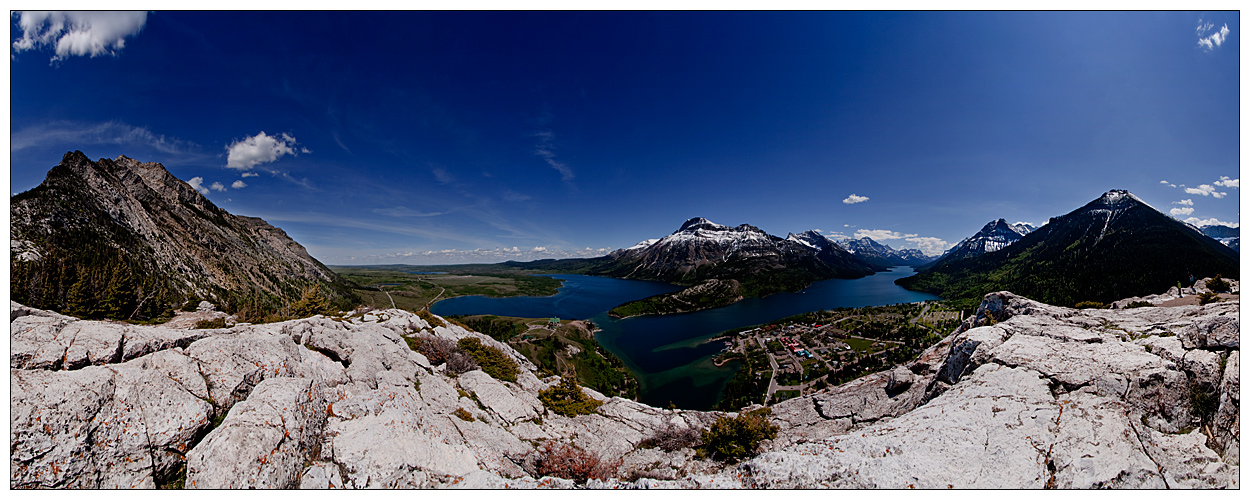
(211, 323)
(1218, 285)
(1208, 297)
(430, 318)
(567, 399)
(734, 439)
(492, 360)
(1090, 304)
(1138, 303)
(311, 303)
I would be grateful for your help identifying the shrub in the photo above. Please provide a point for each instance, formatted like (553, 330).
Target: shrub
(1204, 401)
(1208, 297)
(463, 414)
(492, 360)
(1138, 303)
(567, 398)
(211, 323)
(1218, 285)
(460, 362)
(673, 438)
(311, 302)
(1090, 304)
(571, 462)
(734, 439)
(437, 350)
(430, 318)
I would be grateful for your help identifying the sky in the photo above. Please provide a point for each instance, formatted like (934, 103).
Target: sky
(449, 137)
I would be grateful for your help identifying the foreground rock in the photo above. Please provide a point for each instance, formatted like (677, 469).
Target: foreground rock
(1023, 395)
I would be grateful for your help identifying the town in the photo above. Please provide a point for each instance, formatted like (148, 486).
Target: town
(804, 354)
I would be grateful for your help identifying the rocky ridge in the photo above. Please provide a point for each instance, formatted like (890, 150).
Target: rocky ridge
(1023, 395)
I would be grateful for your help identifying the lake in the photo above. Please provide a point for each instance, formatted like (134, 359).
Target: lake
(670, 354)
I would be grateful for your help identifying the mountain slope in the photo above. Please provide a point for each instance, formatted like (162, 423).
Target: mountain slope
(701, 249)
(125, 239)
(1115, 246)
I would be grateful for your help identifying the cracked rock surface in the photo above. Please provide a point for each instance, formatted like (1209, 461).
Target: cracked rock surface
(1022, 395)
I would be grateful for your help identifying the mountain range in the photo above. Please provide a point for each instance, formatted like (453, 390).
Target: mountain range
(868, 250)
(1228, 235)
(125, 239)
(1114, 246)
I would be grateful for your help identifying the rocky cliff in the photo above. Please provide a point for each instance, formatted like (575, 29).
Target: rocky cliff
(1023, 395)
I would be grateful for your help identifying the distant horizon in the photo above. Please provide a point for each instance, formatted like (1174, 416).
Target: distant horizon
(438, 138)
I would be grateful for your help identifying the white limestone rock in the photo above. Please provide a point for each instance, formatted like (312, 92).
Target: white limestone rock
(264, 441)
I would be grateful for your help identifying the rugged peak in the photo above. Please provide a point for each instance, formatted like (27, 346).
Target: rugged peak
(1117, 196)
(698, 223)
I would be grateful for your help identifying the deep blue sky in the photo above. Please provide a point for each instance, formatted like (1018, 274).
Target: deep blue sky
(419, 132)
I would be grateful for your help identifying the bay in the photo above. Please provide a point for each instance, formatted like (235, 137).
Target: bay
(670, 354)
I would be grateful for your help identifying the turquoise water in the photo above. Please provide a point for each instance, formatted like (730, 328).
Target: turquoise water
(669, 354)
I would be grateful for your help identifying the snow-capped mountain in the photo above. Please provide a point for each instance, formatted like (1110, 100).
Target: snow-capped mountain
(701, 249)
(869, 250)
(1228, 235)
(994, 236)
(1114, 246)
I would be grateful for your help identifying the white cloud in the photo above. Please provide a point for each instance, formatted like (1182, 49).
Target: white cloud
(1205, 190)
(929, 245)
(217, 186)
(261, 148)
(198, 184)
(1182, 211)
(239, 184)
(880, 234)
(1185, 202)
(854, 198)
(1228, 183)
(77, 134)
(1168, 184)
(1210, 42)
(1163, 182)
(250, 174)
(77, 33)
(1211, 222)
(545, 149)
(539, 249)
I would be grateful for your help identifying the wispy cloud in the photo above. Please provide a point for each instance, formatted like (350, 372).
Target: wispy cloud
(259, 149)
(854, 198)
(402, 211)
(1210, 222)
(1189, 203)
(443, 176)
(217, 186)
(250, 174)
(1215, 39)
(77, 33)
(510, 195)
(1166, 183)
(1228, 183)
(545, 149)
(76, 134)
(929, 245)
(1205, 190)
(1182, 211)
